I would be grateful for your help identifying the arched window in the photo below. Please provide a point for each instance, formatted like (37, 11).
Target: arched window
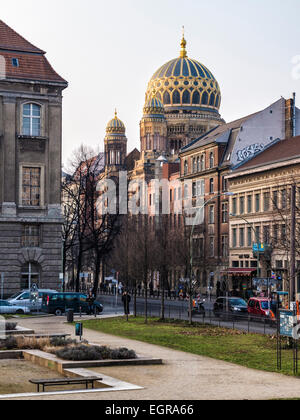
(186, 97)
(196, 98)
(167, 99)
(202, 163)
(211, 160)
(194, 166)
(204, 98)
(212, 99)
(176, 97)
(211, 186)
(186, 167)
(198, 164)
(31, 122)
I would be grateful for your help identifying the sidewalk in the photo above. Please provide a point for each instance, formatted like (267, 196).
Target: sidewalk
(183, 376)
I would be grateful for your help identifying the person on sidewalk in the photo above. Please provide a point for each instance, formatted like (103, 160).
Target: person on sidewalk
(126, 299)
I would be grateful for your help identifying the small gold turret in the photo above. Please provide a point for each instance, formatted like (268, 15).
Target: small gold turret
(183, 52)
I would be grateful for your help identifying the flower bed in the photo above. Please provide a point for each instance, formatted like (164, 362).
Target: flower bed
(85, 352)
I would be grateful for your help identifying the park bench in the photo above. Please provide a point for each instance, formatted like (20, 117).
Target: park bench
(48, 335)
(65, 381)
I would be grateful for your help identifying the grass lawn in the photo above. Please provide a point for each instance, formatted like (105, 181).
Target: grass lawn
(250, 350)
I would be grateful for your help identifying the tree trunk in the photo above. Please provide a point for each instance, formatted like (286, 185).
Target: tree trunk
(97, 273)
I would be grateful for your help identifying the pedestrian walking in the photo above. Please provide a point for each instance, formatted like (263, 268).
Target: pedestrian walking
(91, 299)
(126, 299)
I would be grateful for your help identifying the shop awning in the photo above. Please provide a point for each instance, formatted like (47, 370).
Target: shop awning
(245, 271)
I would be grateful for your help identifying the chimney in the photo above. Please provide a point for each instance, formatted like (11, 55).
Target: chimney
(289, 118)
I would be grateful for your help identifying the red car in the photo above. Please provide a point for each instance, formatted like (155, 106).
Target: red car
(261, 307)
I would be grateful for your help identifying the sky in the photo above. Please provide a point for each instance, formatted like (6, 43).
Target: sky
(109, 50)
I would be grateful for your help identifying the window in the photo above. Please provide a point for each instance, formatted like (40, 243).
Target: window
(15, 62)
(266, 201)
(202, 163)
(257, 203)
(275, 233)
(249, 204)
(186, 167)
(266, 234)
(275, 200)
(30, 236)
(198, 164)
(234, 206)
(249, 236)
(194, 189)
(211, 160)
(257, 234)
(242, 237)
(225, 185)
(211, 215)
(283, 232)
(31, 187)
(211, 186)
(186, 97)
(211, 246)
(234, 238)
(242, 205)
(200, 188)
(176, 97)
(194, 165)
(283, 199)
(31, 120)
(30, 274)
(225, 246)
(225, 213)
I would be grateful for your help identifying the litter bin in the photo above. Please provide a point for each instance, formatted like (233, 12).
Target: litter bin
(70, 315)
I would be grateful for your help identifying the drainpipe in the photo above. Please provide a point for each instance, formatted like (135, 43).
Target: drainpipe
(294, 114)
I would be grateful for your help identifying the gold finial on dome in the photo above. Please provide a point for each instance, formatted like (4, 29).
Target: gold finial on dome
(116, 113)
(183, 52)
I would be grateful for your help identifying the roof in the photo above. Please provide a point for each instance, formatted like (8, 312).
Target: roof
(11, 40)
(220, 134)
(278, 151)
(32, 63)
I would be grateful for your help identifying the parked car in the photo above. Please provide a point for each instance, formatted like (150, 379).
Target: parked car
(231, 305)
(9, 308)
(59, 303)
(262, 308)
(22, 299)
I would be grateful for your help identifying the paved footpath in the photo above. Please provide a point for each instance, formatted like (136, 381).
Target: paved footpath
(183, 376)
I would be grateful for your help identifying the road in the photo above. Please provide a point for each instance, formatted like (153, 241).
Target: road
(179, 310)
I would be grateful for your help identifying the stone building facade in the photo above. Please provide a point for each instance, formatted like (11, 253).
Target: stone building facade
(30, 165)
(260, 213)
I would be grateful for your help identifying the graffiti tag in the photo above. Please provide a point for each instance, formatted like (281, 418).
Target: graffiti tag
(249, 151)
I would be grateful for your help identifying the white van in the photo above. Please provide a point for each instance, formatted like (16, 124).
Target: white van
(23, 299)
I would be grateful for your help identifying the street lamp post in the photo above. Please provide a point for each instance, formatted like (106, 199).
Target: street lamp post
(256, 236)
(196, 221)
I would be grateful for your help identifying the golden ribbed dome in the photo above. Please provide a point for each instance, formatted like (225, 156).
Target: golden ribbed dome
(115, 126)
(184, 82)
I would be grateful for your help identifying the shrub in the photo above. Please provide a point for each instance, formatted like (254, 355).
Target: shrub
(9, 344)
(86, 353)
(80, 353)
(123, 354)
(10, 326)
(61, 342)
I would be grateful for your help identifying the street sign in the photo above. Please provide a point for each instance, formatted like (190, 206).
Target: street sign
(34, 295)
(79, 330)
(289, 326)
